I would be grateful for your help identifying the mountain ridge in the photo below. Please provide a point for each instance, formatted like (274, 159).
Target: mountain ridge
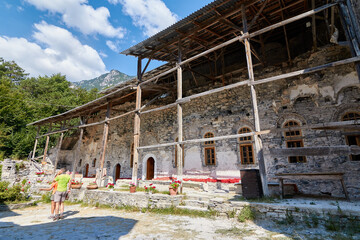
(104, 81)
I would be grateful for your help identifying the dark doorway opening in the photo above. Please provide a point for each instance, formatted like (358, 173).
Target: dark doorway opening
(117, 172)
(150, 168)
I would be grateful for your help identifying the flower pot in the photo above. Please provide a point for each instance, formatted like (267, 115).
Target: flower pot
(132, 189)
(76, 186)
(173, 191)
(92, 186)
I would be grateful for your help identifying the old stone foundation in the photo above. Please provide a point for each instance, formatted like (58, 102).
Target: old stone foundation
(277, 210)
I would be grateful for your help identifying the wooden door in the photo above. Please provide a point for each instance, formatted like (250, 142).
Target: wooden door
(86, 170)
(117, 172)
(150, 167)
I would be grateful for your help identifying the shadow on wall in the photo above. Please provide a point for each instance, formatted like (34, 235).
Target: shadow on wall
(76, 228)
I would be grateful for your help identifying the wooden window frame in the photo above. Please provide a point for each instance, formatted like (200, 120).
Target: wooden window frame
(246, 142)
(212, 161)
(209, 145)
(346, 117)
(297, 137)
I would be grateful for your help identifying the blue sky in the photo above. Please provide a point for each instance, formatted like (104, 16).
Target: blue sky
(82, 38)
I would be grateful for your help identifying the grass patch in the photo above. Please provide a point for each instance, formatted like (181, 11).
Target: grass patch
(239, 232)
(258, 200)
(246, 214)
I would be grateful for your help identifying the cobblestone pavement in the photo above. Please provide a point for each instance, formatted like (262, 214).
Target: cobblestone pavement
(94, 223)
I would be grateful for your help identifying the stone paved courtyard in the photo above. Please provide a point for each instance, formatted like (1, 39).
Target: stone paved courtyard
(95, 223)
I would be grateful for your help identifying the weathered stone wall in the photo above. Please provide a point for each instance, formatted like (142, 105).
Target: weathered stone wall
(317, 98)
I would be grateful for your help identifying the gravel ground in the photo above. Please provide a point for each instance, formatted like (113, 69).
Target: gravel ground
(95, 223)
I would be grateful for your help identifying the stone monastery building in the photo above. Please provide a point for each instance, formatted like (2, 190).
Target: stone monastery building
(248, 84)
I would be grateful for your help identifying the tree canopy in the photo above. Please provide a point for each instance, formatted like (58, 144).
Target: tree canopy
(26, 99)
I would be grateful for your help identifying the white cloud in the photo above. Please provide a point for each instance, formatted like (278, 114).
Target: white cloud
(151, 15)
(103, 55)
(113, 46)
(78, 14)
(63, 54)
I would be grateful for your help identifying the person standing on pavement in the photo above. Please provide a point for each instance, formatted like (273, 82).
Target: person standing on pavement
(63, 180)
(54, 188)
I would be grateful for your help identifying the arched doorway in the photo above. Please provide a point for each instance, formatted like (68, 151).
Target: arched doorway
(86, 170)
(150, 168)
(117, 172)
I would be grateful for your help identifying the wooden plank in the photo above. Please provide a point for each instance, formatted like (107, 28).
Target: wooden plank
(137, 127)
(307, 71)
(36, 143)
(253, 21)
(315, 151)
(313, 26)
(311, 177)
(58, 151)
(179, 117)
(258, 144)
(104, 144)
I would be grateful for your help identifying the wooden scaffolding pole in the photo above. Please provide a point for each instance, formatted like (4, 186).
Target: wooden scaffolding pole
(179, 117)
(78, 149)
(46, 147)
(58, 151)
(36, 142)
(137, 125)
(259, 154)
(104, 145)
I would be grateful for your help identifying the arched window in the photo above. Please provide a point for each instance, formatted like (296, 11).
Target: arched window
(352, 139)
(183, 154)
(209, 150)
(94, 162)
(132, 155)
(294, 140)
(246, 147)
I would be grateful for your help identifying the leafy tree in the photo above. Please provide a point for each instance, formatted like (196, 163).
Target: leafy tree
(24, 100)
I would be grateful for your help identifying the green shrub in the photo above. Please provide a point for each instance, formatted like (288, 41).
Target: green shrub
(19, 166)
(246, 214)
(0, 171)
(46, 197)
(16, 193)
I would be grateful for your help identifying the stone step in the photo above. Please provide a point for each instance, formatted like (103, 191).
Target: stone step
(198, 197)
(196, 203)
(202, 209)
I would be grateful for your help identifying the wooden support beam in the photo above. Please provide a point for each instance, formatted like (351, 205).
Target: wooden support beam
(179, 116)
(36, 142)
(78, 149)
(259, 154)
(285, 34)
(315, 151)
(104, 145)
(253, 21)
(137, 128)
(239, 38)
(313, 26)
(335, 126)
(58, 151)
(146, 66)
(46, 146)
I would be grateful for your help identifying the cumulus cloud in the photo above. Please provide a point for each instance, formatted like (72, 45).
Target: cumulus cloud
(78, 14)
(113, 46)
(62, 53)
(150, 15)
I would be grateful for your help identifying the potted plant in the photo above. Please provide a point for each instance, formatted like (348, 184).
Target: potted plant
(110, 186)
(174, 185)
(132, 187)
(92, 185)
(151, 189)
(75, 184)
